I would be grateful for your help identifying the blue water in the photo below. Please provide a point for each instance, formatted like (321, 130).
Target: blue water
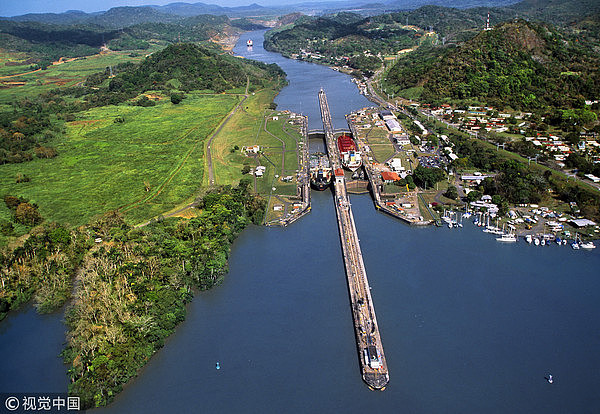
(468, 325)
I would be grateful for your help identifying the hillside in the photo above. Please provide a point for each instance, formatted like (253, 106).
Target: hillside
(171, 71)
(342, 39)
(49, 42)
(518, 64)
(191, 67)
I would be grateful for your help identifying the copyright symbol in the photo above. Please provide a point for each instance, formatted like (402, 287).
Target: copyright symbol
(11, 403)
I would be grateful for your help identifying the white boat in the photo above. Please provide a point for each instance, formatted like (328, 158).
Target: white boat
(508, 237)
(249, 43)
(575, 245)
(536, 241)
(549, 379)
(543, 242)
(588, 245)
(528, 238)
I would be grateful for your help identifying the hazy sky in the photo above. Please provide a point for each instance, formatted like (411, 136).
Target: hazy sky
(17, 7)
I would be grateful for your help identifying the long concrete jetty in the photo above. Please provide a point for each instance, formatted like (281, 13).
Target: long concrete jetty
(368, 340)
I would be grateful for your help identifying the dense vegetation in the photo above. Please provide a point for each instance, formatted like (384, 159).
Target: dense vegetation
(344, 38)
(518, 64)
(133, 288)
(41, 268)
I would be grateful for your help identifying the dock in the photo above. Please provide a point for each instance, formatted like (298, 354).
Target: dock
(303, 180)
(368, 339)
(376, 185)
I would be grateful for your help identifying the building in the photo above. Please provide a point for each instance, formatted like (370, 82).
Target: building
(389, 177)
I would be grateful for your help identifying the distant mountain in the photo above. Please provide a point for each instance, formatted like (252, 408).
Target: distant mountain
(118, 17)
(559, 12)
(520, 64)
(68, 17)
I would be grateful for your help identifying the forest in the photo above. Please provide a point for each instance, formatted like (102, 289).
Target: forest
(519, 65)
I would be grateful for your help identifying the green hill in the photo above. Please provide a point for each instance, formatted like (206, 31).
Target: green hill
(343, 38)
(518, 64)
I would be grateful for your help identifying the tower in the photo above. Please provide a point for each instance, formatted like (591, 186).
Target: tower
(487, 22)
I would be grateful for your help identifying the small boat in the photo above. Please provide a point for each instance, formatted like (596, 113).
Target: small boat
(218, 366)
(575, 245)
(558, 240)
(528, 238)
(507, 238)
(536, 241)
(549, 379)
(249, 43)
(588, 245)
(543, 242)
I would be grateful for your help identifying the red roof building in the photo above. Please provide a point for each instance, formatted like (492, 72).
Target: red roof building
(389, 177)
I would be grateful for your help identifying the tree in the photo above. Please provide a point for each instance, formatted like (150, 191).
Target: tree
(428, 177)
(451, 192)
(27, 214)
(176, 98)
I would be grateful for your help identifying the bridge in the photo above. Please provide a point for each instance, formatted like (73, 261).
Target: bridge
(368, 339)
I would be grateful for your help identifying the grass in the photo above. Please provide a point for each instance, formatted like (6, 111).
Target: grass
(253, 125)
(65, 74)
(103, 165)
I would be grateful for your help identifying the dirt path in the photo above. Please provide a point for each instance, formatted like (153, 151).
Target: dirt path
(211, 173)
(19, 74)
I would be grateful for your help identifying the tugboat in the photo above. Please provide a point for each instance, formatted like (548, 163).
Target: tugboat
(351, 157)
(320, 171)
(249, 43)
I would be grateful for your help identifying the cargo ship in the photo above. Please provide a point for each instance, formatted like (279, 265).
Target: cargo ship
(351, 157)
(320, 170)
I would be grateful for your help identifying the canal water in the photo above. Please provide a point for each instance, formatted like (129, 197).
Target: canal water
(468, 324)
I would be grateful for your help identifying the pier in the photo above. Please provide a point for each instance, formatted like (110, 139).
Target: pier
(368, 339)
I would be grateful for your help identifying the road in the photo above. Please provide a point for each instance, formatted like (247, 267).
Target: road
(211, 173)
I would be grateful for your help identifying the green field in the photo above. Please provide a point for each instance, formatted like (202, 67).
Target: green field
(146, 165)
(66, 74)
(253, 125)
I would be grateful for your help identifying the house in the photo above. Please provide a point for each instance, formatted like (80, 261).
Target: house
(254, 149)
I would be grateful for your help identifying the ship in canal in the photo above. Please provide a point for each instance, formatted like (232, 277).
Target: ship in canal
(320, 170)
(351, 157)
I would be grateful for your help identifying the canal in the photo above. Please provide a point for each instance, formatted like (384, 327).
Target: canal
(469, 324)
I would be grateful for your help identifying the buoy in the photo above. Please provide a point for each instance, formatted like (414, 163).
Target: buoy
(218, 366)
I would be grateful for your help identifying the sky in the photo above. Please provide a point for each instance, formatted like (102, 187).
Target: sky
(17, 7)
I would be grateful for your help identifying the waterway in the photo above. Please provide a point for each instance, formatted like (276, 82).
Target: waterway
(468, 324)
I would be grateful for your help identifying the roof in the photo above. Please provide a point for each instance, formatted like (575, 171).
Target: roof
(583, 222)
(339, 172)
(389, 176)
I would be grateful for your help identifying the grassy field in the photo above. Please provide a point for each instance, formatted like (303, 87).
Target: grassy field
(255, 125)
(65, 74)
(146, 165)
(381, 146)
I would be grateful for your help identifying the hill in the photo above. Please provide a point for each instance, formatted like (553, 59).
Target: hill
(342, 39)
(48, 42)
(519, 64)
